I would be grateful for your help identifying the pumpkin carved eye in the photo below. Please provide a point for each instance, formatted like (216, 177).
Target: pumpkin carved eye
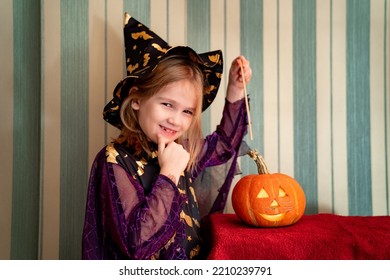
(262, 194)
(282, 193)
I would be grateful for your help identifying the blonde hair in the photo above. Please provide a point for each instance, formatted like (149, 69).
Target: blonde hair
(169, 70)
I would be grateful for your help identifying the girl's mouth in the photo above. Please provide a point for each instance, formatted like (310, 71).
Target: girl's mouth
(167, 130)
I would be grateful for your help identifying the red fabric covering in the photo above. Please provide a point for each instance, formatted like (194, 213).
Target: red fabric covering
(320, 237)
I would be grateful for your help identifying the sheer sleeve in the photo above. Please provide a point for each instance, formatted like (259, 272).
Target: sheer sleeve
(218, 163)
(123, 223)
(225, 141)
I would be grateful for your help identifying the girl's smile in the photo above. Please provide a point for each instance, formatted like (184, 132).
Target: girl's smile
(167, 130)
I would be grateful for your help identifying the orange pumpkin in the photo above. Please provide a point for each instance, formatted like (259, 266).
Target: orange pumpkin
(268, 200)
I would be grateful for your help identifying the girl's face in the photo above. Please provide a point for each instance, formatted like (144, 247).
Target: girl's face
(169, 112)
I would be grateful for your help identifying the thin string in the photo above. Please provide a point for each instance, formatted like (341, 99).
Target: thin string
(246, 102)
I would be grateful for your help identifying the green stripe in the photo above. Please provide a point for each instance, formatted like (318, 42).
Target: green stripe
(358, 107)
(139, 10)
(26, 134)
(74, 124)
(198, 14)
(251, 30)
(305, 120)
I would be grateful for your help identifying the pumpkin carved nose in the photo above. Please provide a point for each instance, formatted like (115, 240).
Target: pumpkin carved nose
(274, 203)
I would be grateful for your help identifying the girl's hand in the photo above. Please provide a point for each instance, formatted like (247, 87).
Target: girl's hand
(173, 159)
(235, 89)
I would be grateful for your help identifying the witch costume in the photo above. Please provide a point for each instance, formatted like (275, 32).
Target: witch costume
(132, 211)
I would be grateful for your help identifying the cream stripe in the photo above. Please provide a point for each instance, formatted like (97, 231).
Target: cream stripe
(270, 67)
(232, 50)
(339, 108)
(6, 125)
(97, 77)
(51, 130)
(158, 17)
(286, 87)
(115, 56)
(177, 18)
(217, 41)
(377, 119)
(324, 108)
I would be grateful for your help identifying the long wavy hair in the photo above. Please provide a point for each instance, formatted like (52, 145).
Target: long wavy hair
(169, 70)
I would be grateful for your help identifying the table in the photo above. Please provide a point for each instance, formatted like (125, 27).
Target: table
(317, 236)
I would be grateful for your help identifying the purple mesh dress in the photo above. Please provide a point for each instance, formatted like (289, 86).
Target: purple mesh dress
(133, 212)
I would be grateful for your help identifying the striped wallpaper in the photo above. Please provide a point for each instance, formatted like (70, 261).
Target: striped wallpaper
(320, 101)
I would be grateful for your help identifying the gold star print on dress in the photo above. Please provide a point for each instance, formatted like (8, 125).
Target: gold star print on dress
(189, 221)
(141, 166)
(111, 154)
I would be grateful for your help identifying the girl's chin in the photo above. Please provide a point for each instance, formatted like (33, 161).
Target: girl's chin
(166, 138)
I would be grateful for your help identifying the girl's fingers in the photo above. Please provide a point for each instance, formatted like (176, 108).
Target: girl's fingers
(161, 144)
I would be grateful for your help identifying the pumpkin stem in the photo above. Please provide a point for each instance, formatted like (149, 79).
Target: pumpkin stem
(261, 166)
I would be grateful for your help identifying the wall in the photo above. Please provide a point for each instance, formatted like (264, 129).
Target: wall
(319, 101)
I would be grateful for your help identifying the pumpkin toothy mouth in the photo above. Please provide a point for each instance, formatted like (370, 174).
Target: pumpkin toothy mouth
(273, 218)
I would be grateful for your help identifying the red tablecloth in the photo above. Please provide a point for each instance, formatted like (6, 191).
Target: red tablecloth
(320, 236)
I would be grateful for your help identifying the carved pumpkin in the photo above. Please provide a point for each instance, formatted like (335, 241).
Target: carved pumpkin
(268, 200)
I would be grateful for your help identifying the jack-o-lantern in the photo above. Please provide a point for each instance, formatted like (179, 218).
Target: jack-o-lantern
(268, 200)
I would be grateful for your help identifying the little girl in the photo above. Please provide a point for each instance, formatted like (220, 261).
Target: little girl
(141, 201)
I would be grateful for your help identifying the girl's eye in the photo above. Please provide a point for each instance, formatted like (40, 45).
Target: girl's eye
(167, 104)
(188, 112)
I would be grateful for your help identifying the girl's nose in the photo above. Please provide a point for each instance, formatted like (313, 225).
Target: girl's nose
(173, 119)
